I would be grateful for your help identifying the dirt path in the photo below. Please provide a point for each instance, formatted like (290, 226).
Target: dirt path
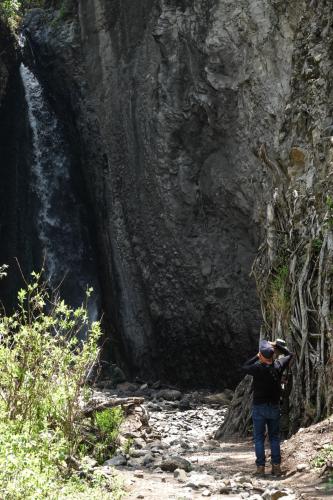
(181, 432)
(232, 458)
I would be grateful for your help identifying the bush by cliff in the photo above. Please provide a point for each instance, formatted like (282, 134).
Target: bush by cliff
(12, 10)
(44, 367)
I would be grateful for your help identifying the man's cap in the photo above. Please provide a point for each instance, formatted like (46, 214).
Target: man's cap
(266, 349)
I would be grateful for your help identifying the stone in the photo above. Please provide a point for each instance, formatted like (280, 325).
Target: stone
(276, 494)
(139, 474)
(192, 485)
(220, 398)
(148, 459)
(180, 475)
(118, 460)
(137, 453)
(206, 493)
(169, 394)
(127, 387)
(302, 467)
(139, 443)
(173, 463)
(243, 479)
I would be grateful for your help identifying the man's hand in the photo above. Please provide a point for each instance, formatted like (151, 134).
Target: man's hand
(280, 346)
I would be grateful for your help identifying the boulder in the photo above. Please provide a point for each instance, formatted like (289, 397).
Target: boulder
(116, 461)
(169, 394)
(180, 475)
(172, 463)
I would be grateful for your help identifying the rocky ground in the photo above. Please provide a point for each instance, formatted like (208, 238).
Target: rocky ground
(167, 451)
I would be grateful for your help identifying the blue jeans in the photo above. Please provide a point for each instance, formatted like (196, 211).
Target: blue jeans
(262, 415)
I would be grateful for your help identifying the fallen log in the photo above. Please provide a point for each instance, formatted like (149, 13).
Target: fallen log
(95, 405)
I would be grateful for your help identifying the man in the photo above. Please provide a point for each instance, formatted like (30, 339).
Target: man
(267, 374)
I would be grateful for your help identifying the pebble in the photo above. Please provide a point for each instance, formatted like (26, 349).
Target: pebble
(180, 475)
(302, 467)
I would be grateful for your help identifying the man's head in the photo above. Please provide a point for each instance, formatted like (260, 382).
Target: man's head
(266, 351)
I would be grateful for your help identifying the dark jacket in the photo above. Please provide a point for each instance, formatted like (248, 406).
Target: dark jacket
(267, 378)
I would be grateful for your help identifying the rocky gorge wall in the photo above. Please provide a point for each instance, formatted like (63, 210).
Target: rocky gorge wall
(168, 104)
(17, 238)
(293, 268)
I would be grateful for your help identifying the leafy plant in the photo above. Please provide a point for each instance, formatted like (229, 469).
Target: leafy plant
(11, 10)
(107, 423)
(279, 294)
(43, 370)
(128, 445)
(325, 454)
(43, 365)
(317, 243)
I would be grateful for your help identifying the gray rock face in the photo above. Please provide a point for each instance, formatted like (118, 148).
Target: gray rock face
(17, 238)
(166, 103)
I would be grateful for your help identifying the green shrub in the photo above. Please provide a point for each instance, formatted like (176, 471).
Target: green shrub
(128, 445)
(279, 298)
(43, 365)
(43, 370)
(317, 243)
(323, 456)
(9, 11)
(12, 10)
(107, 423)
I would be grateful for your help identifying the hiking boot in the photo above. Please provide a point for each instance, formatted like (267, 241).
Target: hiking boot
(276, 470)
(260, 470)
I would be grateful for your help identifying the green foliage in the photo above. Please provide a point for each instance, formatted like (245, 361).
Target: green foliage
(279, 299)
(11, 10)
(325, 454)
(43, 370)
(107, 423)
(42, 364)
(128, 445)
(317, 243)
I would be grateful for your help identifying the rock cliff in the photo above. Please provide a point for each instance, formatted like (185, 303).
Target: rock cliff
(168, 104)
(8, 57)
(294, 265)
(16, 211)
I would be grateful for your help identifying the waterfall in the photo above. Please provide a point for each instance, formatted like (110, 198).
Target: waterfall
(63, 237)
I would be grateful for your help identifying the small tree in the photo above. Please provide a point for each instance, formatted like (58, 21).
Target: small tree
(43, 364)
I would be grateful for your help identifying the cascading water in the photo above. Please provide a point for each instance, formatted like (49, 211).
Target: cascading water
(64, 240)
